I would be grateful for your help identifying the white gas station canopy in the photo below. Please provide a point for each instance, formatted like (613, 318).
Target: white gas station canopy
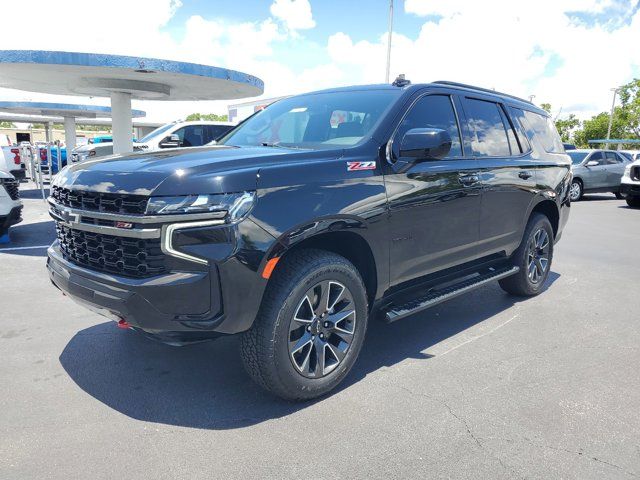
(121, 78)
(69, 113)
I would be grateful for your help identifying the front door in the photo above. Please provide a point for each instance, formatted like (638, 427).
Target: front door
(596, 175)
(434, 204)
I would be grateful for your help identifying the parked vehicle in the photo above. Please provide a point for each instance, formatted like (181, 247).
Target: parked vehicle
(10, 204)
(314, 215)
(630, 186)
(44, 160)
(631, 155)
(569, 146)
(596, 171)
(10, 160)
(171, 135)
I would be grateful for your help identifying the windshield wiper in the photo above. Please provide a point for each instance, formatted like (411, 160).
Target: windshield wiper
(279, 145)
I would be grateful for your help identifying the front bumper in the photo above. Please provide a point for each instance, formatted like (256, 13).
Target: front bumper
(171, 302)
(191, 302)
(15, 216)
(630, 189)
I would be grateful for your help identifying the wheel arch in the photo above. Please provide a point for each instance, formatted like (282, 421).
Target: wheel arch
(346, 243)
(548, 208)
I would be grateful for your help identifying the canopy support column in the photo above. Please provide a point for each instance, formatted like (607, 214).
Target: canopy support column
(69, 134)
(122, 122)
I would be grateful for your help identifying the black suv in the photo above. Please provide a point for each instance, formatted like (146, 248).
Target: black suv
(313, 216)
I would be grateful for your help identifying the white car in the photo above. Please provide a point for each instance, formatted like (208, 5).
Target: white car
(630, 186)
(10, 204)
(10, 160)
(171, 135)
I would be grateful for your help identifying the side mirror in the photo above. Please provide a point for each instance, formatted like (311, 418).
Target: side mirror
(425, 144)
(592, 163)
(170, 141)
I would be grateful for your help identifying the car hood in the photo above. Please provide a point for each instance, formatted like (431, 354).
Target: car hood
(184, 171)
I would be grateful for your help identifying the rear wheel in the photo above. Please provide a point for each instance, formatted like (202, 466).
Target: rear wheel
(618, 195)
(533, 256)
(633, 202)
(310, 327)
(576, 191)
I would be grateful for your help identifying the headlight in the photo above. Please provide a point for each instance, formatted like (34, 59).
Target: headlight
(237, 205)
(627, 171)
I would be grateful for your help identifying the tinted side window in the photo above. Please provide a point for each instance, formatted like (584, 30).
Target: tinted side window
(433, 111)
(545, 131)
(612, 158)
(517, 116)
(488, 135)
(597, 157)
(514, 145)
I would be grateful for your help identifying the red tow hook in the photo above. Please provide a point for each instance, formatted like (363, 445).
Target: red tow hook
(122, 323)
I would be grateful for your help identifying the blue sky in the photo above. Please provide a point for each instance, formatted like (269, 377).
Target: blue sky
(548, 48)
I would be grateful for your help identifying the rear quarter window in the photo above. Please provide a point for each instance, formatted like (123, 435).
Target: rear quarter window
(545, 131)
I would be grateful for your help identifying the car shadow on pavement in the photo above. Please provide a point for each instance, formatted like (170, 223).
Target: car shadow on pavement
(590, 197)
(34, 193)
(26, 235)
(204, 385)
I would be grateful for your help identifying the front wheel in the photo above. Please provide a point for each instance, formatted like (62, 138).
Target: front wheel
(618, 195)
(533, 256)
(310, 327)
(576, 191)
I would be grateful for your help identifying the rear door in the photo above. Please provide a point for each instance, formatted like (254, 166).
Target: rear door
(507, 173)
(615, 168)
(435, 204)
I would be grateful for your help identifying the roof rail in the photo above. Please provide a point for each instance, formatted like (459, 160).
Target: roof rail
(480, 89)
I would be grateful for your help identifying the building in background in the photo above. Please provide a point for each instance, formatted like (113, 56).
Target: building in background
(239, 111)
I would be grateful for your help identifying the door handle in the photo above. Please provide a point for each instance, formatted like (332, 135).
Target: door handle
(468, 180)
(525, 175)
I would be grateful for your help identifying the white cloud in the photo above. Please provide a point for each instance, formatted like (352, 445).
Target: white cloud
(295, 14)
(517, 47)
(510, 46)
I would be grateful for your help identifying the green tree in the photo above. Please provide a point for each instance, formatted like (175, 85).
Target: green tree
(7, 125)
(567, 126)
(630, 99)
(597, 126)
(546, 107)
(207, 116)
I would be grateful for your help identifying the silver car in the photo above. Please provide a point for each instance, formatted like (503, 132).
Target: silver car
(596, 171)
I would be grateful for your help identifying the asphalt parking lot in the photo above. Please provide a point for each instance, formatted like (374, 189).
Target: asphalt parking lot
(484, 386)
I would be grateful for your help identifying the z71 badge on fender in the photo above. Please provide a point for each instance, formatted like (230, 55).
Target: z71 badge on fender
(353, 166)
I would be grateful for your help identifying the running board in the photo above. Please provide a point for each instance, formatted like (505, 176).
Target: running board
(398, 312)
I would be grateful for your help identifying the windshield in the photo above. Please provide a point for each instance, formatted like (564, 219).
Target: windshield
(577, 157)
(156, 132)
(317, 121)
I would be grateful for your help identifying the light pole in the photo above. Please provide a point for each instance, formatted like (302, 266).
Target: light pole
(531, 97)
(389, 40)
(613, 106)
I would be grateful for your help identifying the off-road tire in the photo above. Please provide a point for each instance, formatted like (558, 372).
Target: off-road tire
(265, 349)
(521, 283)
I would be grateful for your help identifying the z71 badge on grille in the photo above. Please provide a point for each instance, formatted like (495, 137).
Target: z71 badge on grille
(124, 224)
(354, 166)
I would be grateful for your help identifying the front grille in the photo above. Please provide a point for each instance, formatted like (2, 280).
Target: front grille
(635, 173)
(126, 256)
(100, 202)
(11, 186)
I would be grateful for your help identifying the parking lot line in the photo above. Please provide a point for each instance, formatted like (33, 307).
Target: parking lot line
(11, 249)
